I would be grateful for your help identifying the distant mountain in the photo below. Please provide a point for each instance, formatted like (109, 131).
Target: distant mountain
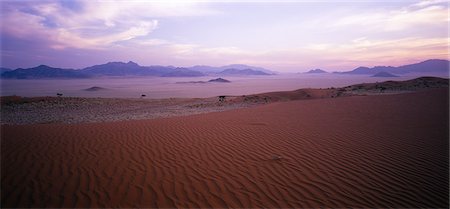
(244, 67)
(428, 66)
(205, 69)
(361, 70)
(115, 69)
(215, 70)
(4, 69)
(366, 70)
(434, 65)
(219, 80)
(233, 71)
(384, 75)
(129, 69)
(44, 71)
(108, 69)
(316, 71)
(157, 70)
(182, 72)
(133, 69)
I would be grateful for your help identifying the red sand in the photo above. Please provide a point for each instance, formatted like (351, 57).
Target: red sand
(367, 151)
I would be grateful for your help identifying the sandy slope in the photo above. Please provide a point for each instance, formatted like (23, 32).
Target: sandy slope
(362, 151)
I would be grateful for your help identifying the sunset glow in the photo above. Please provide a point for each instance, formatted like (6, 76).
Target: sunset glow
(288, 36)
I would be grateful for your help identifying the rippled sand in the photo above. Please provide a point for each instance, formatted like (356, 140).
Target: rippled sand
(360, 151)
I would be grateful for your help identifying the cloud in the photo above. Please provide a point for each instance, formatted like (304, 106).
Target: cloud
(424, 13)
(89, 24)
(369, 52)
(361, 51)
(425, 3)
(336, 37)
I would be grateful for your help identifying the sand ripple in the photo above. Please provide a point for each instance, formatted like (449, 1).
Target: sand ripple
(372, 151)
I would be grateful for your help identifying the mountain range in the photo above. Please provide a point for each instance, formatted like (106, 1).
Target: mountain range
(43, 71)
(133, 69)
(316, 71)
(428, 66)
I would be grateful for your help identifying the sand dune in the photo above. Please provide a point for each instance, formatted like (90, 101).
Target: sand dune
(361, 151)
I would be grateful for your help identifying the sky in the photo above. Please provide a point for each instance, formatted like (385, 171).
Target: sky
(285, 36)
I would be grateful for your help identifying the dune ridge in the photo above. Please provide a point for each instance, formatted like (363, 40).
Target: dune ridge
(373, 151)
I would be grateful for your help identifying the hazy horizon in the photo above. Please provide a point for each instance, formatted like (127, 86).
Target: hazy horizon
(288, 36)
(179, 87)
(274, 70)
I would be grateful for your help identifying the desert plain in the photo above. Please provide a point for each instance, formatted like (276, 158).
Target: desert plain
(362, 146)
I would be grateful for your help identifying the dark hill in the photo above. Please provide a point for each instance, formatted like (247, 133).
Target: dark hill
(219, 80)
(94, 88)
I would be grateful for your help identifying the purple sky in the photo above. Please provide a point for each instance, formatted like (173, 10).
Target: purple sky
(290, 36)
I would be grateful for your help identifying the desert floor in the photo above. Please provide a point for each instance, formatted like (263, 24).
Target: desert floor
(358, 151)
